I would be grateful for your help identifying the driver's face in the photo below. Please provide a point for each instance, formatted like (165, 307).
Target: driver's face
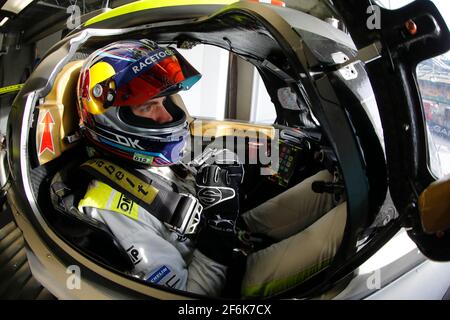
(153, 109)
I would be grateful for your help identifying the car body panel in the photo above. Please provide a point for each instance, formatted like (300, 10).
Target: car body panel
(139, 6)
(428, 281)
(393, 78)
(398, 271)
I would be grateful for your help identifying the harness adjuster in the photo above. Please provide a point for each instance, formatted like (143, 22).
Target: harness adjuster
(187, 218)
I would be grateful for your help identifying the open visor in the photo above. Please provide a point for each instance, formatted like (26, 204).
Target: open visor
(164, 72)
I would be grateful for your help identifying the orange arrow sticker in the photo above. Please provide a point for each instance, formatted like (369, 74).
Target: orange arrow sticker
(47, 139)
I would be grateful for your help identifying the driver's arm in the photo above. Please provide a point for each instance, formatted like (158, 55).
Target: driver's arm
(218, 190)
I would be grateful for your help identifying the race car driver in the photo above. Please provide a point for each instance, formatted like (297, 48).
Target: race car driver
(129, 115)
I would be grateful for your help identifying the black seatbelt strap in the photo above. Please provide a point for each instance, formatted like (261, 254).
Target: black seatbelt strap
(180, 212)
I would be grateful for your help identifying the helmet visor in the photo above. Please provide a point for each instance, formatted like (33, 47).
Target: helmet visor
(161, 73)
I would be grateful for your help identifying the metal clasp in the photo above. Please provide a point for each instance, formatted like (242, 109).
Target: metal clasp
(192, 217)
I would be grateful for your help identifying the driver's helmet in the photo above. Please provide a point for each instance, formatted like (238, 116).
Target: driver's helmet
(123, 75)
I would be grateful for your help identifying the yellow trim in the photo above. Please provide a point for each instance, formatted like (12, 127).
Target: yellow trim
(12, 88)
(277, 286)
(98, 197)
(152, 4)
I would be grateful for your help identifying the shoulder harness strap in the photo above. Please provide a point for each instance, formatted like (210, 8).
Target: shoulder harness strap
(180, 212)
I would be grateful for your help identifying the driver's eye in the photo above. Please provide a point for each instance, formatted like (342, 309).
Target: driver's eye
(157, 101)
(144, 108)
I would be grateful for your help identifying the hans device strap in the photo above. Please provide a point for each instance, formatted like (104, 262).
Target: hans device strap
(180, 212)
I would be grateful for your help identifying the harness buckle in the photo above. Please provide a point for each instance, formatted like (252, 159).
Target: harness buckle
(189, 217)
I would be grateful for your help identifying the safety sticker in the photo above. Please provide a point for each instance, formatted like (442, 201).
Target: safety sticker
(46, 138)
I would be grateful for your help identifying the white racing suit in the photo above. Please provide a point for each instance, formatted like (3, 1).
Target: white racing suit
(308, 228)
(158, 254)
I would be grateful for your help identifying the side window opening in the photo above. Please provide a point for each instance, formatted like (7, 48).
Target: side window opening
(207, 98)
(212, 96)
(433, 76)
(434, 83)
